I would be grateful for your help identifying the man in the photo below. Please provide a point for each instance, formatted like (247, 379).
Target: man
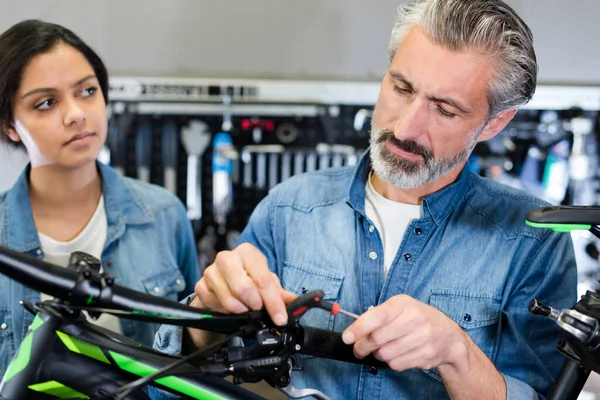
(438, 261)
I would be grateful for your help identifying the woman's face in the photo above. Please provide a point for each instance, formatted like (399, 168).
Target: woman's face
(59, 110)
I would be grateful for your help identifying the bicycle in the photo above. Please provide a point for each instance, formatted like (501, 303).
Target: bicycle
(100, 364)
(581, 347)
(65, 356)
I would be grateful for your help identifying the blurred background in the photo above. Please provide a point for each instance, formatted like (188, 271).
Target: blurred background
(220, 101)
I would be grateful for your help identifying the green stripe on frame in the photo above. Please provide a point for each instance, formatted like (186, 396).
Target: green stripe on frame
(177, 384)
(57, 389)
(81, 347)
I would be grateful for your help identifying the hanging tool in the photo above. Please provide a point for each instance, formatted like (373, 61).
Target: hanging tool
(257, 126)
(286, 133)
(195, 139)
(143, 150)
(286, 166)
(261, 170)
(247, 168)
(170, 155)
(222, 165)
(298, 163)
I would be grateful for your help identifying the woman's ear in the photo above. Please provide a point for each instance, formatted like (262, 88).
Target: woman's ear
(11, 132)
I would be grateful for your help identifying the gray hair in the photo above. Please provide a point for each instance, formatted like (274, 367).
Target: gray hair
(491, 26)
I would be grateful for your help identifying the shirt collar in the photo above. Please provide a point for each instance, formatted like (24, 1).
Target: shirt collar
(437, 205)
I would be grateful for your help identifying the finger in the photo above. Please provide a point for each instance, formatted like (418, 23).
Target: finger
(401, 347)
(371, 320)
(423, 357)
(268, 288)
(205, 298)
(217, 286)
(234, 266)
(287, 297)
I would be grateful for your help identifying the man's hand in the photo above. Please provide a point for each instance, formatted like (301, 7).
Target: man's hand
(239, 281)
(406, 333)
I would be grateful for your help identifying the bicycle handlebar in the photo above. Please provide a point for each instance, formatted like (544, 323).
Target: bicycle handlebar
(94, 291)
(78, 289)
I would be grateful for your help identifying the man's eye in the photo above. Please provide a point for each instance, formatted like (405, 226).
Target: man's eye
(445, 113)
(401, 90)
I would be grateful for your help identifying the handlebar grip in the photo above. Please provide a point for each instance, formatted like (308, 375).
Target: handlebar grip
(329, 344)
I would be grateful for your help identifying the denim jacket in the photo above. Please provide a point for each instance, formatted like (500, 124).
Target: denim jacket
(471, 256)
(149, 248)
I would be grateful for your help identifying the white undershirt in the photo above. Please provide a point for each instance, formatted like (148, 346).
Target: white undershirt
(391, 220)
(90, 240)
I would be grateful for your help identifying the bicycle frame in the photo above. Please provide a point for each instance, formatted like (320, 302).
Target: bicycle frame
(99, 361)
(71, 358)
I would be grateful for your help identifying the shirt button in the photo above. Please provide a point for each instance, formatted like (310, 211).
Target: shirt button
(178, 281)
(467, 317)
(372, 370)
(407, 256)
(38, 252)
(3, 326)
(157, 290)
(304, 290)
(371, 228)
(418, 231)
(372, 255)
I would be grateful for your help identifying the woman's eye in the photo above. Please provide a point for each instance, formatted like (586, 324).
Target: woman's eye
(45, 105)
(89, 91)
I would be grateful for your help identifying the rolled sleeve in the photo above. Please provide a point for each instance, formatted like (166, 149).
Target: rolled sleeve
(517, 390)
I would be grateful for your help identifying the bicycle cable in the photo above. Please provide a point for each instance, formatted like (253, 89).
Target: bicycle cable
(122, 392)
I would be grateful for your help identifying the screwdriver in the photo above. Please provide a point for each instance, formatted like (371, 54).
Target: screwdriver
(312, 299)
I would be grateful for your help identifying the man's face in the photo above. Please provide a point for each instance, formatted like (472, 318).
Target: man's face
(431, 111)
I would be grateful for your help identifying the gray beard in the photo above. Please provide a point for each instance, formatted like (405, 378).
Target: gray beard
(406, 174)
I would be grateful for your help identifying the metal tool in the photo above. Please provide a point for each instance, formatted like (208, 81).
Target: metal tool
(143, 150)
(286, 166)
(170, 155)
(223, 154)
(195, 139)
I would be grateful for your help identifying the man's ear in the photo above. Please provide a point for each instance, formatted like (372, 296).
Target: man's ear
(496, 124)
(10, 130)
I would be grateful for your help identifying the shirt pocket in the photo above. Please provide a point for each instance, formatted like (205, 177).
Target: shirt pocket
(300, 279)
(167, 283)
(7, 349)
(476, 313)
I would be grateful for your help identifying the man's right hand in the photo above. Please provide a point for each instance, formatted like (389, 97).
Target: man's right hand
(238, 281)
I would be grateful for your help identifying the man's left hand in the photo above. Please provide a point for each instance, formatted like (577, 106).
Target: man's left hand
(406, 333)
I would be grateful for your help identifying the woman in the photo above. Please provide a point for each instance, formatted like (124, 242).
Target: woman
(53, 95)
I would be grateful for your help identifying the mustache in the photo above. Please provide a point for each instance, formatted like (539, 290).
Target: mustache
(409, 146)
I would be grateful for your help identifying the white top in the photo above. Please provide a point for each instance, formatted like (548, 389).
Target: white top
(90, 240)
(391, 220)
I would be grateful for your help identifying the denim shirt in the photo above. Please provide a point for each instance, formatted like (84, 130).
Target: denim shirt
(149, 247)
(471, 256)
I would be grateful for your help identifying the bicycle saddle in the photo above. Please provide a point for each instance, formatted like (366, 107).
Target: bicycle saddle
(564, 218)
